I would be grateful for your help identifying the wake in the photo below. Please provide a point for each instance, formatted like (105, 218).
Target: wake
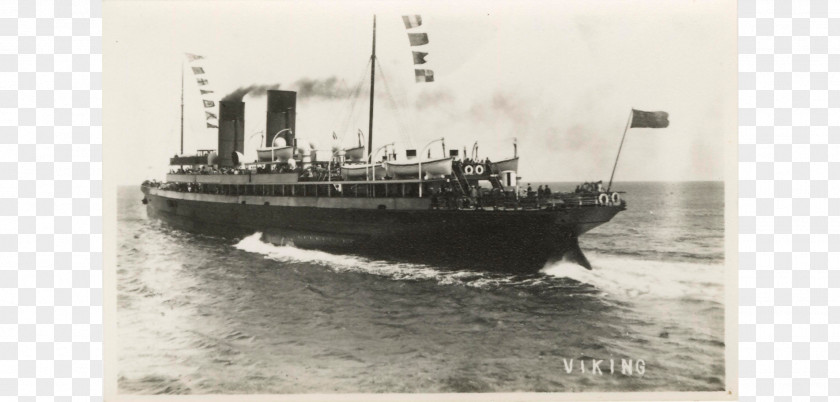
(619, 277)
(634, 279)
(349, 263)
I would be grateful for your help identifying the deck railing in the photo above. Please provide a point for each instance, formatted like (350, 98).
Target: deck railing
(439, 200)
(510, 201)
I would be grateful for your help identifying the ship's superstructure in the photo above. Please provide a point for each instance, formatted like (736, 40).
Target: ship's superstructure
(454, 209)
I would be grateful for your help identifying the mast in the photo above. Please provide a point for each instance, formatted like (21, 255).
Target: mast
(372, 72)
(182, 107)
(629, 121)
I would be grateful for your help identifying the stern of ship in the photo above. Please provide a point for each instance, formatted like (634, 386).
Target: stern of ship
(569, 224)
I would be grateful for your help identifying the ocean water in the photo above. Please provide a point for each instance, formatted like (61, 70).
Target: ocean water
(199, 314)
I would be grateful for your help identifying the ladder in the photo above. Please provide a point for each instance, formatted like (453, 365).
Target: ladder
(495, 182)
(463, 185)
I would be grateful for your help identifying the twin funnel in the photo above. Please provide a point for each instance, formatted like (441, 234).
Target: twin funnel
(280, 115)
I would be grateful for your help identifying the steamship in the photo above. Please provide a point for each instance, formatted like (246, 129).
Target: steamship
(451, 210)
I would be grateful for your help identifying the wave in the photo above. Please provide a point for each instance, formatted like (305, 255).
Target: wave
(622, 277)
(668, 256)
(629, 278)
(389, 269)
(339, 262)
(154, 384)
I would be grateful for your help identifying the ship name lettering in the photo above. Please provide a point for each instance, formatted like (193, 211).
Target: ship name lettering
(629, 367)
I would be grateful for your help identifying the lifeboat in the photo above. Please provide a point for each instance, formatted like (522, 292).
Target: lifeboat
(356, 154)
(359, 172)
(433, 168)
(506, 165)
(275, 154)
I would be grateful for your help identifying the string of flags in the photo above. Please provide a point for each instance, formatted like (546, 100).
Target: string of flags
(202, 82)
(418, 39)
(412, 21)
(419, 57)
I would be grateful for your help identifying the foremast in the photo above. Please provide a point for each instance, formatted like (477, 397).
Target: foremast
(182, 107)
(372, 81)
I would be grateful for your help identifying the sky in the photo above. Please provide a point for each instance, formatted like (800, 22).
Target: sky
(560, 77)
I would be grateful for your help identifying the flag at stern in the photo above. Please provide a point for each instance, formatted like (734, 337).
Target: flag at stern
(649, 119)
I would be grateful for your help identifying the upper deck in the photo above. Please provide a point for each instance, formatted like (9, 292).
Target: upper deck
(455, 191)
(245, 177)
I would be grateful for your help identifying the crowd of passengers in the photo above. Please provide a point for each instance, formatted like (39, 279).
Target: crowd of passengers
(591, 187)
(232, 170)
(470, 161)
(445, 196)
(312, 172)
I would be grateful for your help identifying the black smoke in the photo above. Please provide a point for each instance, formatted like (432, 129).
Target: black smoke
(255, 90)
(435, 98)
(503, 107)
(328, 88)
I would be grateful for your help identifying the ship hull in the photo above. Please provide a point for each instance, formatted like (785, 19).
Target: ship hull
(509, 241)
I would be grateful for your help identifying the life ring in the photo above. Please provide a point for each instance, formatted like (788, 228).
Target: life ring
(468, 169)
(615, 198)
(479, 169)
(603, 199)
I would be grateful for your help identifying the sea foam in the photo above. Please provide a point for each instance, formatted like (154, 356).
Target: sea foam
(337, 262)
(635, 278)
(621, 277)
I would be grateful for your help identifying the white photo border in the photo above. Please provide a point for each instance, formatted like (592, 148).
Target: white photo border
(51, 301)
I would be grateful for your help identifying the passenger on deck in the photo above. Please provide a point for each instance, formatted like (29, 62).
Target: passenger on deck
(540, 192)
(449, 197)
(529, 192)
(547, 191)
(600, 186)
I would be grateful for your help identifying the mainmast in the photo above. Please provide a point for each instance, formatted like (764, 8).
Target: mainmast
(182, 107)
(372, 72)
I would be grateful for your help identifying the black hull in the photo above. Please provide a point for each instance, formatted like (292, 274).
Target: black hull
(508, 241)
